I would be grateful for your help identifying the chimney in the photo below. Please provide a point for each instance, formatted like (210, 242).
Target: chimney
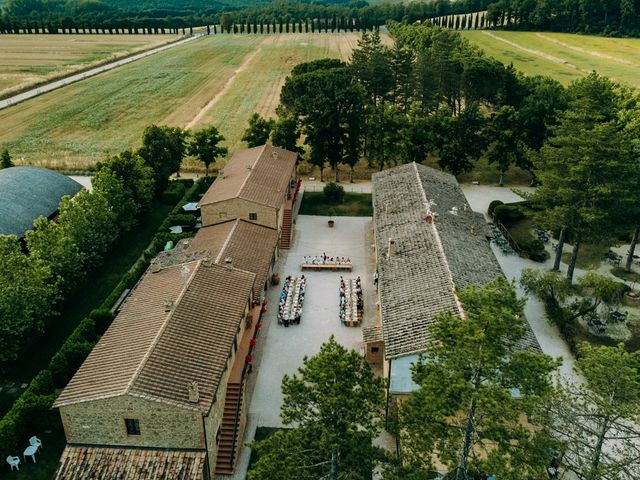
(194, 392)
(391, 249)
(168, 306)
(155, 266)
(228, 262)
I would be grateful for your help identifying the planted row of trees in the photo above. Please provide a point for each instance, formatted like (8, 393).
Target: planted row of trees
(482, 407)
(59, 253)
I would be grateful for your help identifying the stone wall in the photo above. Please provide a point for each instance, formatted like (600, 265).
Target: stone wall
(162, 425)
(238, 208)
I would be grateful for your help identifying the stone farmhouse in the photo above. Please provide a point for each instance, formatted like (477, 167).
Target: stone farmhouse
(428, 242)
(162, 395)
(259, 185)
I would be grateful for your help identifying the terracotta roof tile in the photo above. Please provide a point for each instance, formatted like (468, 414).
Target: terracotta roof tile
(174, 329)
(259, 174)
(92, 463)
(250, 247)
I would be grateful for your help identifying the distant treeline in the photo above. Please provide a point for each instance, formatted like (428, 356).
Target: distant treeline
(611, 17)
(36, 16)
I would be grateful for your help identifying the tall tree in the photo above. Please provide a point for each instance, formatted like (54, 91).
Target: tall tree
(372, 66)
(476, 389)
(90, 223)
(49, 243)
(334, 404)
(137, 178)
(163, 149)
(598, 421)
(286, 134)
(586, 168)
(5, 159)
(26, 296)
(258, 131)
(205, 146)
(507, 142)
(329, 106)
(460, 140)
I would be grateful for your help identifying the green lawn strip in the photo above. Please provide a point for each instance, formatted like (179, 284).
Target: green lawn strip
(95, 288)
(53, 443)
(354, 205)
(589, 256)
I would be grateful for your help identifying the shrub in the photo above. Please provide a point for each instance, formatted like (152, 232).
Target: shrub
(333, 192)
(508, 213)
(204, 183)
(102, 317)
(59, 367)
(493, 205)
(84, 332)
(183, 220)
(42, 384)
(173, 193)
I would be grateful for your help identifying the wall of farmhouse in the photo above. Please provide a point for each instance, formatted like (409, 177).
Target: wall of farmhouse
(238, 208)
(161, 425)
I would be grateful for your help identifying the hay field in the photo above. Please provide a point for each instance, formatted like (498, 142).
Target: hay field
(219, 79)
(30, 59)
(563, 56)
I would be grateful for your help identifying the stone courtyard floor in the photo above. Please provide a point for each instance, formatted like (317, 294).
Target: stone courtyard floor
(280, 349)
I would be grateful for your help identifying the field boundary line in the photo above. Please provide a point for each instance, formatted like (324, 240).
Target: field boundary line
(225, 88)
(79, 75)
(537, 53)
(587, 52)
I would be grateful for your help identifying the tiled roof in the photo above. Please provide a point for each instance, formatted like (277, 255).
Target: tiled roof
(177, 327)
(103, 463)
(430, 260)
(249, 246)
(26, 193)
(259, 174)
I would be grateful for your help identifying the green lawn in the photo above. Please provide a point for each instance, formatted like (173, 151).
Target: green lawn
(96, 287)
(354, 205)
(46, 462)
(620, 272)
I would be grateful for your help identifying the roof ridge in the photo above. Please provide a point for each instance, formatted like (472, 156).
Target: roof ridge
(155, 341)
(226, 240)
(253, 166)
(427, 206)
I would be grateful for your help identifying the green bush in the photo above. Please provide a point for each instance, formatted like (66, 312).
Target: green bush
(59, 366)
(42, 384)
(173, 193)
(333, 192)
(508, 213)
(187, 182)
(102, 317)
(493, 205)
(182, 220)
(85, 331)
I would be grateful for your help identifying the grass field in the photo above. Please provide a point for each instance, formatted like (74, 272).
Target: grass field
(563, 56)
(220, 79)
(29, 59)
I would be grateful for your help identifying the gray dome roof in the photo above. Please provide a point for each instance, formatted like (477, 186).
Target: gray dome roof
(29, 192)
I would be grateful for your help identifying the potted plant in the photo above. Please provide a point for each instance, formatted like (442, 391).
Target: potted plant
(331, 223)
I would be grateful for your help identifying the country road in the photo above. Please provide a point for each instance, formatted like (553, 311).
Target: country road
(34, 92)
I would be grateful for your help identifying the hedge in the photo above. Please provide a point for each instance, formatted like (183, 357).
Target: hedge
(183, 220)
(32, 412)
(508, 213)
(493, 205)
(173, 193)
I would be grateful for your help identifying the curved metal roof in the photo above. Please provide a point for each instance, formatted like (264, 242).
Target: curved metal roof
(29, 192)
